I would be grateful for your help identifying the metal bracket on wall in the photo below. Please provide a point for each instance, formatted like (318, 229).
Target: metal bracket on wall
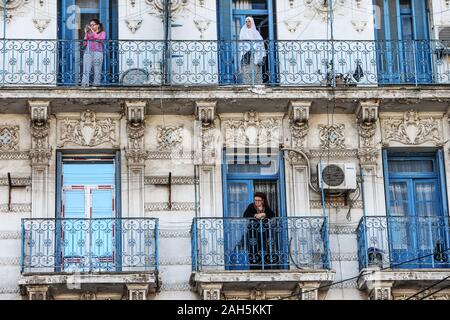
(10, 186)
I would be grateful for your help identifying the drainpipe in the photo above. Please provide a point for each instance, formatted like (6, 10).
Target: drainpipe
(4, 41)
(167, 37)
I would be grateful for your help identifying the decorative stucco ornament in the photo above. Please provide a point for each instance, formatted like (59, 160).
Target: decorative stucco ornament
(252, 131)
(412, 130)
(88, 131)
(13, 8)
(134, 24)
(322, 8)
(202, 26)
(332, 136)
(170, 138)
(9, 137)
(41, 24)
(176, 7)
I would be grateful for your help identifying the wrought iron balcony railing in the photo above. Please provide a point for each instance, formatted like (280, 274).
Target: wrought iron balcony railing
(89, 245)
(403, 242)
(213, 63)
(247, 244)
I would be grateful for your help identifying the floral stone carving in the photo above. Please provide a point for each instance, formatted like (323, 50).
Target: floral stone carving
(412, 130)
(170, 138)
(9, 137)
(332, 136)
(88, 131)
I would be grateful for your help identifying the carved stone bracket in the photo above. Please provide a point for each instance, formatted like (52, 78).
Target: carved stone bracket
(367, 111)
(37, 292)
(40, 152)
(205, 132)
(137, 291)
(367, 114)
(135, 112)
(298, 112)
(210, 291)
(205, 111)
(380, 290)
(308, 291)
(16, 6)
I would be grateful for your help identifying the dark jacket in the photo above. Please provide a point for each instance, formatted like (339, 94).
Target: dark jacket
(251, 211)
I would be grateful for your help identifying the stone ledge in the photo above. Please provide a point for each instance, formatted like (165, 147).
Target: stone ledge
(59, 283)
(267, 279)
(402, 278)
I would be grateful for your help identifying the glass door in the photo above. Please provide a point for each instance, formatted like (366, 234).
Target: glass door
(232, 14)
(74, 15)
(416, 224)
(403, 44)
(88, 196)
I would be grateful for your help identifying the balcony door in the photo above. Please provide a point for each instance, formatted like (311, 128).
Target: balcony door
(417, 224)
(403, 46)
(232, 14)
(244, 175)
(88, 202)
(73, 16)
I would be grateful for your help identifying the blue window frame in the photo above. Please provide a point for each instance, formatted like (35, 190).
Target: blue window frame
(404, 53)
(231, 17)
(244, 174)
(73, 15)
(417, 211)
(88, 190)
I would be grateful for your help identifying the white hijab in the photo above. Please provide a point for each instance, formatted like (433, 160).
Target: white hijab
(257, 41)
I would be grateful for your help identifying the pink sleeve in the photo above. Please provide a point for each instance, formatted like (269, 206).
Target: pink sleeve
(99, 36)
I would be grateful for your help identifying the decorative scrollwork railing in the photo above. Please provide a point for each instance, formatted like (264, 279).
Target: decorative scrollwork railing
(213, 63)
(403, 242)
(242, 244)
(89, 245)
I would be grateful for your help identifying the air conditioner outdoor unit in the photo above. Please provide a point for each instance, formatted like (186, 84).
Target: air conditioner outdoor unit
(443, 45)
(337, 176)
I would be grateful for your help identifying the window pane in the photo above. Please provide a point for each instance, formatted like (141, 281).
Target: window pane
(88, 174)
(102, 203)
(260, 165)
(74, 204)
(402, 166)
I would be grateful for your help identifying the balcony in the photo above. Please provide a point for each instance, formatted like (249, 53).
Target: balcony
(403, 251)
(66, 257)
(142, 63)
(284, 254)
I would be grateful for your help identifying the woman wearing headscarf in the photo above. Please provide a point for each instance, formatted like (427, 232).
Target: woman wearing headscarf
(259, 236)
(252, 53)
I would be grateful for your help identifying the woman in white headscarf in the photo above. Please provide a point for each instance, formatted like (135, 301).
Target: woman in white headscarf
(252, 53)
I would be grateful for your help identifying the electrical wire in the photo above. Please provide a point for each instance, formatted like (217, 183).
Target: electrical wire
(427, 288)
(367, 272)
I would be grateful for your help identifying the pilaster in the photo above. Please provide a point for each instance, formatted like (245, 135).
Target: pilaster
(136, 156)
(40, 155)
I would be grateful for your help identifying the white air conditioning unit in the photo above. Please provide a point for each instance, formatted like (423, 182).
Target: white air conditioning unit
(337, 176)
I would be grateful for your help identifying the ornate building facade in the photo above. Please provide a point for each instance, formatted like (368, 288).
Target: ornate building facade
(136, 188)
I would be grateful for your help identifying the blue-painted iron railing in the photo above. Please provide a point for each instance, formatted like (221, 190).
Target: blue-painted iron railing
(242, 244)
(212, 63)
(403, 242)
(89, 245)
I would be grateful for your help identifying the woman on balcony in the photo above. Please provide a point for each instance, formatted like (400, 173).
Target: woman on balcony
(93, 54)
(252, 53)
(260, 238)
